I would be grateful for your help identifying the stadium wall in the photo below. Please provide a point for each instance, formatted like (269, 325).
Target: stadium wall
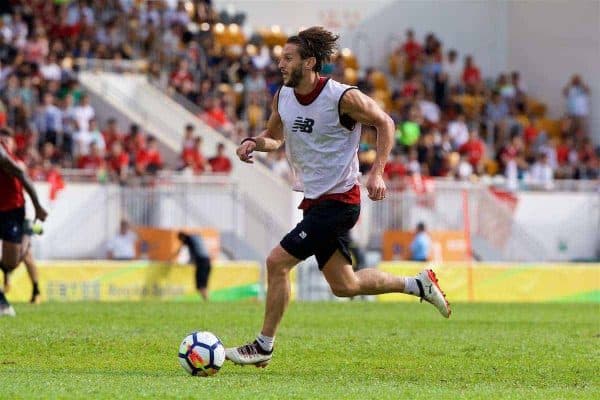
(471, 27)
(232, 281)
(290, 15)
(547, 41)
(84, 216)
(522, 283)
(136, 280)
(551, 40)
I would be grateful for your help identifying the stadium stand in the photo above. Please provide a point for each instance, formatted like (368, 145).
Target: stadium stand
(452, 119)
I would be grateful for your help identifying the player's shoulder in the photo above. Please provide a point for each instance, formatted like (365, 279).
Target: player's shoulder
(339, 86)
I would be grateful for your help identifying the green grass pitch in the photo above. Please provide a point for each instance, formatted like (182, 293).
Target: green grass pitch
(349, 350)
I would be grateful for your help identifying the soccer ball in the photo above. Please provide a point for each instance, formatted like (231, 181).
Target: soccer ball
(201, 354)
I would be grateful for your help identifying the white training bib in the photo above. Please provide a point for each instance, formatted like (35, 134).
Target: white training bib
(323, 153)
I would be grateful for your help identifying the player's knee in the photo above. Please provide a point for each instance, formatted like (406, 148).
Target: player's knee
(8, 265)
(275, 266)
(345, 290)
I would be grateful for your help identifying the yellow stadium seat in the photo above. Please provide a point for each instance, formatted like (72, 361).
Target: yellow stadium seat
(350, 76)
(551, 126)
(523, 120)
(350, 61)
(491, 167)
(379, 81)
(472, 105)
(536, 107)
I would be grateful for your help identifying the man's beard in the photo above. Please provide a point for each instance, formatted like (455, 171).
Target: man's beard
(295, 78)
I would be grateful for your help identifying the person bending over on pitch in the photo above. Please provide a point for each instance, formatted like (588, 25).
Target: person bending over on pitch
(12, 210)
(320, 120)
(201, 259)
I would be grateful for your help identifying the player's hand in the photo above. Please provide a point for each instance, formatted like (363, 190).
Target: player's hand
(40, 213)
(244, 151)
(376, 187)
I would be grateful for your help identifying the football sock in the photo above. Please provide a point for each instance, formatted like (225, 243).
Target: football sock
(266, 342)
(3, 300)
(411, 286)
(36, 289)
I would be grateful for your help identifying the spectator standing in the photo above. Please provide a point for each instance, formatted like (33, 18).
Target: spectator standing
(420, 247)
(122, 246)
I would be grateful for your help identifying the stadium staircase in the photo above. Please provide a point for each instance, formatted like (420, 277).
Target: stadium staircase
(263, 195)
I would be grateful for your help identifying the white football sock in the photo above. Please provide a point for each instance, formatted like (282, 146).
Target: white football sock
(410, 286)
(266, 342)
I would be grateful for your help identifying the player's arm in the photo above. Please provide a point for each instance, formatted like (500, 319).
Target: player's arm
(365, 110)
(12, 168)
(269, 140)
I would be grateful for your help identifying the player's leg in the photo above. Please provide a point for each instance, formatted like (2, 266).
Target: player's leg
(11, 234)
(202, 274)
(21, 252)
(32, 271)
(11, 255)
(279, 265)
(345, 282)
(259, 353)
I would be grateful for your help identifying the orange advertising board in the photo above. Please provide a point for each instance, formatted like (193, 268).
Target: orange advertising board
(446, 245)
(163, 244)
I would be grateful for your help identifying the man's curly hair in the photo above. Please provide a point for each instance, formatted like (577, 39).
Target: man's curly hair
(315, 42)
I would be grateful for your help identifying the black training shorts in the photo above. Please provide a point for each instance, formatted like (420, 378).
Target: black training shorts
(11, 225)
(324, 229)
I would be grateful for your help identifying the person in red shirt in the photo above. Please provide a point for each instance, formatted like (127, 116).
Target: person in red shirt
(474, 149)
(135, 140)
(13, 182)
(563, 150)
(471, 75)
(412, 49)
(92, 161)
(193, 158)
(118, 163)
(395, 168)
(111, 134)
(220, 162)
(23, 138)
(148, 158)
(181, 76)
(216, 116)
(412, 85)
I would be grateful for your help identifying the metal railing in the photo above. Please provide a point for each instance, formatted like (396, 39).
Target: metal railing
(444, 209)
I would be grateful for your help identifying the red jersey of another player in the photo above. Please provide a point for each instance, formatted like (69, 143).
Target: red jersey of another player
(12, 189)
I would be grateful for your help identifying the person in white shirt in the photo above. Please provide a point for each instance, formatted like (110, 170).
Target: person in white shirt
(541, 174)
(84, 138)
(577, 94)
(123, 245)
(453, 70)
(458, 131)
(83, 113)
(50, 70)
(430, 111)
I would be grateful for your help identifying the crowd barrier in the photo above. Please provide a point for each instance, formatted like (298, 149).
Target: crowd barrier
(231, 281)
(135, 280)
(508, 282)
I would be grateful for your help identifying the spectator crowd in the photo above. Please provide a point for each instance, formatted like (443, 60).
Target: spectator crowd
(451, 120)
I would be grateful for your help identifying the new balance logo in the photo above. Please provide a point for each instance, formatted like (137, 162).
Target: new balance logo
(303, 125)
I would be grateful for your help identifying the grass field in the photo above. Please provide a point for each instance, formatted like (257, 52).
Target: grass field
(353, 350)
